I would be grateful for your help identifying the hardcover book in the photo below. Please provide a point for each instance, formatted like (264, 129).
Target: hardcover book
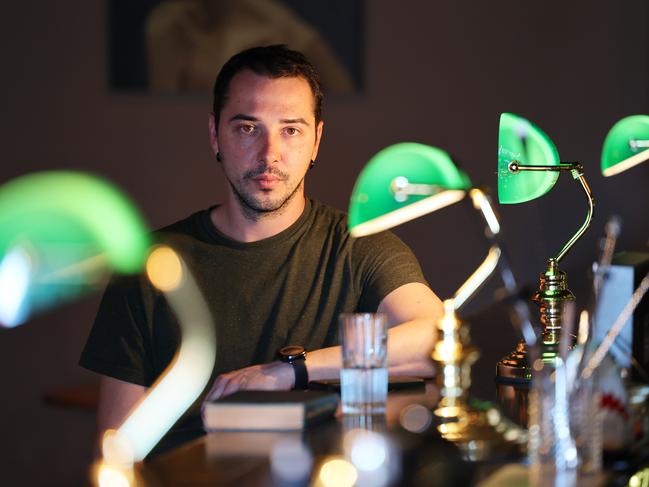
(269, 410)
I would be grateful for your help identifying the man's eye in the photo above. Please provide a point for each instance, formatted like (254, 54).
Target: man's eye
(291, 131)
(247, 129)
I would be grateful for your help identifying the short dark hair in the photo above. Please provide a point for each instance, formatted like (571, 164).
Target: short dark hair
(276, 61)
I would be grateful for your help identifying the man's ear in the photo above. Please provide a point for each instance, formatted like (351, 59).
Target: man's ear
(318, 135)
(214, 143)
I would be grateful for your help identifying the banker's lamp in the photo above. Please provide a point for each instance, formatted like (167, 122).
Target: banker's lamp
(403, 182)
(626, 145)
(408, 180)
(60, 233)
(528, 167)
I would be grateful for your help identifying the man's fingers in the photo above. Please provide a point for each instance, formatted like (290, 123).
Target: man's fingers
(254, 377)
(230, 388)
(237, 382)
(217, 389)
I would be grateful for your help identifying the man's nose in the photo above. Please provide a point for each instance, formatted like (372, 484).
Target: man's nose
(271, 148)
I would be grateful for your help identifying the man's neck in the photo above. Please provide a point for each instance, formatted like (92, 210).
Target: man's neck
(231, 220)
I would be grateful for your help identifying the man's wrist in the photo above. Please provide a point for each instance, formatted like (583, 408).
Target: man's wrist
(296, 356)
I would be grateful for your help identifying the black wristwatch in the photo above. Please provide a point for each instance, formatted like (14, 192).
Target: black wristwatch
(296, 356)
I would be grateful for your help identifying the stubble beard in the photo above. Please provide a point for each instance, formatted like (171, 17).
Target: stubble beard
(255, 208)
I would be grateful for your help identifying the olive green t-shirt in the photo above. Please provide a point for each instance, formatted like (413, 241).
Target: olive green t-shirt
(284, 290)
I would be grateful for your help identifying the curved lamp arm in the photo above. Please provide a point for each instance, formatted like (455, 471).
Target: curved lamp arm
(577, 171)
(402, 188)
(478, 278)
(187, 375)
(483, 272)
(482, 202)
(521, 315)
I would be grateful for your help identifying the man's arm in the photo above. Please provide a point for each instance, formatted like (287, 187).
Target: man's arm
(413, 311)
(116, 399)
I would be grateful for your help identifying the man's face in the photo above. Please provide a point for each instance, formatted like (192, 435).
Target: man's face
(267, 136)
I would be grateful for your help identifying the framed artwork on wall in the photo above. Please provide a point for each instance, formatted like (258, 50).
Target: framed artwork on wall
(178, 46)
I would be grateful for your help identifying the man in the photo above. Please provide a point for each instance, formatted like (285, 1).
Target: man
(276, 268)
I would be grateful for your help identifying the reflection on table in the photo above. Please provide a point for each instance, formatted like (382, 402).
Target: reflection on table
(401, 447)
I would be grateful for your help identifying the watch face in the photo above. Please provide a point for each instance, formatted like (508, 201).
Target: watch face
(291, 352)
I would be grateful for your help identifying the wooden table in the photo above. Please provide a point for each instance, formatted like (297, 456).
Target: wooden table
(244, 458)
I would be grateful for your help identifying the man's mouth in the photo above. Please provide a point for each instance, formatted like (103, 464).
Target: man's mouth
(266, 180)
(266, 177)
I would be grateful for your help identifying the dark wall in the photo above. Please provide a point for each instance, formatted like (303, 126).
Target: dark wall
(436, 72)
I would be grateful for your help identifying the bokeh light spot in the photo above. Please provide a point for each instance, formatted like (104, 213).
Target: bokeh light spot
(15, 270)
(415, 418)
(290, 461)
(368, 451)
(338, 472)
(164, 269)
(109, 476)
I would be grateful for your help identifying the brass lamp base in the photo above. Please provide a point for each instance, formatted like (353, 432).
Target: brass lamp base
(477, 428)
(551, 297)
(513, 373)
(480, 432)
(513, 379)
(514, 366)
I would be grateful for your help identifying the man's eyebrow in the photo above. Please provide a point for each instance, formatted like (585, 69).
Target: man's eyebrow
(247, 118)
(250, 118)
(295, 120)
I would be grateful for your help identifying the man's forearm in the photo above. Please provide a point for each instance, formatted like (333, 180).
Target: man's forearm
(116, 399)
(409, 347)
(410, 344)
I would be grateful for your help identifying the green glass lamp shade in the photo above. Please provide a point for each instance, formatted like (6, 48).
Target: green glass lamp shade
(60, 208)
(626, 145)
(521, 141)
(402, 182)
(60, 231)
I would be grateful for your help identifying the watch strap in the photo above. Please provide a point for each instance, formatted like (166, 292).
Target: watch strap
(301, 374)
(296, 356)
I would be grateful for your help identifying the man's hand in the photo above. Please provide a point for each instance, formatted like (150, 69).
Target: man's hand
(272, 376)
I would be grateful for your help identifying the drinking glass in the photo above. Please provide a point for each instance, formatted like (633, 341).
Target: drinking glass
(364, 375)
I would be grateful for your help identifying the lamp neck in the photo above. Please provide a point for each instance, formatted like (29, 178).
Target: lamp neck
(577, 171)
(471, 286)
(478, 278)
(589, 216)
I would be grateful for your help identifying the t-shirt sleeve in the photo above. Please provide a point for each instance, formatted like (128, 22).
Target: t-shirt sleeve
(382, 263)
(118, 344)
